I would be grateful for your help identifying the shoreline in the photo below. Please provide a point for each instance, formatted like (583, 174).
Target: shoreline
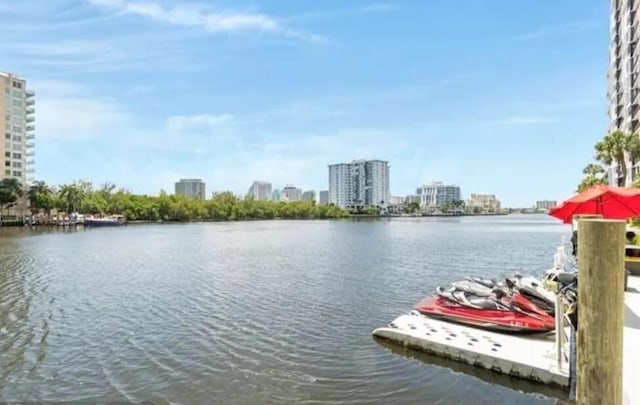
(15, 224)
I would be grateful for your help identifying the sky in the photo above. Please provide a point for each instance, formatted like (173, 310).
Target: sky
(496, 96)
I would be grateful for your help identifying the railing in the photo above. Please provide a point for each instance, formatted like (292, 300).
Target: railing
(30, 145)
(30, 136)
(30, 101)
(30, 128)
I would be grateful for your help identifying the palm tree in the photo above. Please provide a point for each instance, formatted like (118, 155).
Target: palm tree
(40, 196)
(72, 195)
(614, 148)
(594, 174)
(10, 192)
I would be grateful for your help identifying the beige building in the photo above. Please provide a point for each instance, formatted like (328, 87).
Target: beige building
(17, 117)
(486, 202)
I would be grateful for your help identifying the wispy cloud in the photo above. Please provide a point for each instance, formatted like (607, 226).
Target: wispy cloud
(193, 15)
(557, 29)
(84, 116)
(521, 120)
(347, 11)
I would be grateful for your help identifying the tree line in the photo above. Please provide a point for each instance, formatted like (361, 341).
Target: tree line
(611, 151)
(84, 198)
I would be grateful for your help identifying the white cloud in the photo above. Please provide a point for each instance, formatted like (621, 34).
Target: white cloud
(557, 29)
(199, 122)
(521, 120)
(68, 111)
(192, 15)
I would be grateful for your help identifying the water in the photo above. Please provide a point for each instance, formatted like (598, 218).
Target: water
(248, 313)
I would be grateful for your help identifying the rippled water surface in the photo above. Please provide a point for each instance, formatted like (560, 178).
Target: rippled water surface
(247, 313)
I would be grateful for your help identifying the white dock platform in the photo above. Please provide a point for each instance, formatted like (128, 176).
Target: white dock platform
(532, 358)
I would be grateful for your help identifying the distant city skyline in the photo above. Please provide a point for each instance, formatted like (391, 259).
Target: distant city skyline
(509, 102)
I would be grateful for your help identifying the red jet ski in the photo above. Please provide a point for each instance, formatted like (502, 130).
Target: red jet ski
(503, 313)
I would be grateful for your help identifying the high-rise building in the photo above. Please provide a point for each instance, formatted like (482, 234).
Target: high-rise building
(191, 188)
(323, 197)
(291, 193)
(438, 194)
(546, 204)
(309, 195)
(275, 196)
(17, 117)
(623, 90)
(260, 190)
(359, 183)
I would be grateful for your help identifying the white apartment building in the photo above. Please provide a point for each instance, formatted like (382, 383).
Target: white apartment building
(291, 193)
(191, 188)
(623, 90)
(323, 197)
(438, 194)
(260, 190)
(17, 118)
(309, 195)
(359, 183)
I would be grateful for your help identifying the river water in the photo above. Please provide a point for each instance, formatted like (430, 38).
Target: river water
(250, 312)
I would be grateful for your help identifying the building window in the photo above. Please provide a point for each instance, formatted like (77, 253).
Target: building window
(17, 85)
(7, 154)
(7, 163)
(7, 135)
(17, 165)
(7, 172)
(17, 173)
(15, 155)
(17, 138)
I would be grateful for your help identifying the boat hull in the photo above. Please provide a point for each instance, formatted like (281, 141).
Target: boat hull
(497, 320)
(102, 223)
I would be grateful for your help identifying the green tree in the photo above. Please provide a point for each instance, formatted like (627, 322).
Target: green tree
(613, 148)
(10, 192)
(82, 197)
(41, 197)
(594, 174)
(72, 195)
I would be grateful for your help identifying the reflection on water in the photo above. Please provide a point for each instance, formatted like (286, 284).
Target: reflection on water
(256, 312)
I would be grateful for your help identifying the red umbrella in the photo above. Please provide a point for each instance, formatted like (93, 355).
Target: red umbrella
(610, 202)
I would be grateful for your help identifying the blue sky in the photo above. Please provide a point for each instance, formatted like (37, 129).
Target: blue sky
(504, 97)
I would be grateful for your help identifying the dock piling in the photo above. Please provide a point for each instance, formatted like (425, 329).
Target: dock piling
(601, 311)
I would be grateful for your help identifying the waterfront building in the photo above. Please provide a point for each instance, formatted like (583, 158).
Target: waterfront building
(191, 188)
(309, 195)
(17, 118)
(438, 194)
(291, 193)
(546, 204)
(359, 183)
(323, 197)
(623, 80)
(260, 190)
(484, 202)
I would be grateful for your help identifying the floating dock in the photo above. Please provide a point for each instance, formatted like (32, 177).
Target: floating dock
(532, 357)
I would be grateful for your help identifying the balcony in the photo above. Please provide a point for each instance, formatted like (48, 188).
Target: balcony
(30, 162)
(30, 153)
(29, 128)
(30, 101)
(29, 93)
(29, 145)
(30, 110)
(30, 170)
(30, 136)
(29, 119)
